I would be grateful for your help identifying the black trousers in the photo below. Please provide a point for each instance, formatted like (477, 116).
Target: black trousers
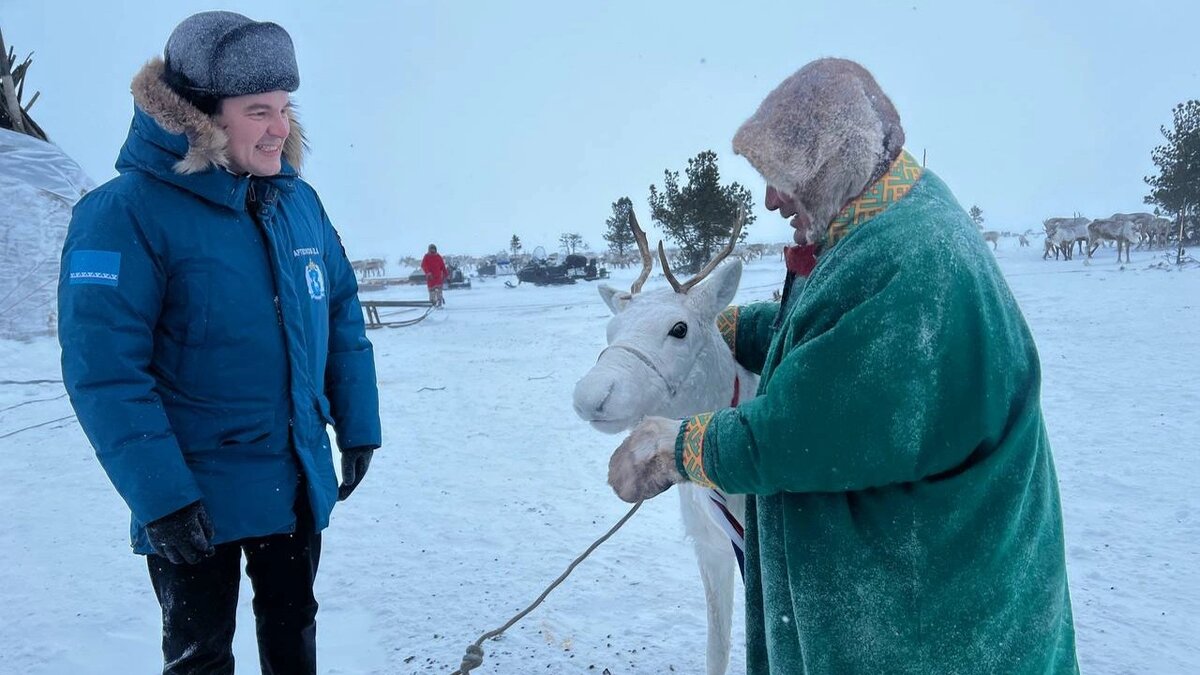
(199, 604)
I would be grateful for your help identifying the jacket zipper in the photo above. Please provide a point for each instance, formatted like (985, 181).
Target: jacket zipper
(252, 208)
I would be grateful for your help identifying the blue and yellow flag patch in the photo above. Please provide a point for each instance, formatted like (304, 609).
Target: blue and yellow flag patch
(94, 267)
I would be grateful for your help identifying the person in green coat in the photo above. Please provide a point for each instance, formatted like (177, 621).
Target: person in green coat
(903, 511)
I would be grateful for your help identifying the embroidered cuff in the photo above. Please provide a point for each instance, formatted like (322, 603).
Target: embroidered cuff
(689, 449)
(727, 322)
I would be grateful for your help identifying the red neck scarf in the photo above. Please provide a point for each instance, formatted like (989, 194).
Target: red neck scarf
(800, 259)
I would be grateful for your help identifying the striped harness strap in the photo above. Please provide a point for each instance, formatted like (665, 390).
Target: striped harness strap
(718, 507)
(719, 512)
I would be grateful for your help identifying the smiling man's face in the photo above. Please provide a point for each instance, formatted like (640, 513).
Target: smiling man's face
(257, 126)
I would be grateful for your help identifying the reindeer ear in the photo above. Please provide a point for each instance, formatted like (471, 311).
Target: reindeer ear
(716, 292)
(616, 299)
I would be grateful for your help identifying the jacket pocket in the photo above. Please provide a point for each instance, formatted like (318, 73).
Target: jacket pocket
(196, 298)
(201, 434)
(246, 432)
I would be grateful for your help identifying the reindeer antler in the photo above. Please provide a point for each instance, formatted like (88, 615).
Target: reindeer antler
(712, 264)
(644, 247)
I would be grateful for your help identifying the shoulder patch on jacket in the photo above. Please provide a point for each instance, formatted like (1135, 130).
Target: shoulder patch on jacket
(94, 267)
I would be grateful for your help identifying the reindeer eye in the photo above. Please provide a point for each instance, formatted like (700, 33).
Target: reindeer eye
(679, 330)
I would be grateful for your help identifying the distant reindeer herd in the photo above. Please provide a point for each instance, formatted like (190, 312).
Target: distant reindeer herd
(1064, 237)
(1127, 230)
(371, 267)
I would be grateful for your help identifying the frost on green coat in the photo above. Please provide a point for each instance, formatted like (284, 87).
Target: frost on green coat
(904, 513)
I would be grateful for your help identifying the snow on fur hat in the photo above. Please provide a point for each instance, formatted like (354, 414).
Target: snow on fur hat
(216, 55)
(822, 136)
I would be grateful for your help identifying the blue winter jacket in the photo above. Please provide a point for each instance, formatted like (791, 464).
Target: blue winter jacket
(204, 350)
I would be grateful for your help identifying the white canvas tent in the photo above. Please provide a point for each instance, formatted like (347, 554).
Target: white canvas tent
(39, 184)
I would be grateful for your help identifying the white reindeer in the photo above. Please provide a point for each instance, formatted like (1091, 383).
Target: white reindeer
(666, 357)
(1064, 233)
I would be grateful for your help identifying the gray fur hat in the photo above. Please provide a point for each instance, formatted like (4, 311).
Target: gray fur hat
(822, 136)
(216, 55)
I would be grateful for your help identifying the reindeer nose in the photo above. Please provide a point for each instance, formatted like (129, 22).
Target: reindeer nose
(591, 397)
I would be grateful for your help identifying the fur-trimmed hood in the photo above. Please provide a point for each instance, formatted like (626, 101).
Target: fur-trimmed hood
(206, 142)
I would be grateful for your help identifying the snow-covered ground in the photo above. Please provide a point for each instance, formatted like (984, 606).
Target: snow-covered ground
(488, 485)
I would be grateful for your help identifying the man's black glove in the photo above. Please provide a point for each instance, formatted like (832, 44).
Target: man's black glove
(184, 536)
(354, 466)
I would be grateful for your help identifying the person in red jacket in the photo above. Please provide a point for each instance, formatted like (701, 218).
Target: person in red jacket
(434, 268)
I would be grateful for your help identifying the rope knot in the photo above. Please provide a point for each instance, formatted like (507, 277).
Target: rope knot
(472, 659)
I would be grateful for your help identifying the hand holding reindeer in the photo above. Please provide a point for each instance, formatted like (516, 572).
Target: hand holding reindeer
(643, 466)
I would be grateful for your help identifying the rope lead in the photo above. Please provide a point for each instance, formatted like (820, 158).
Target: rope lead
(474, 656)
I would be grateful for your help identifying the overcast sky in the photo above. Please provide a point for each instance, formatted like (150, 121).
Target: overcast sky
(462, 123)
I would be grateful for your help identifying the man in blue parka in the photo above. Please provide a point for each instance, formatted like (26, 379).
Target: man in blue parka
(210, 331)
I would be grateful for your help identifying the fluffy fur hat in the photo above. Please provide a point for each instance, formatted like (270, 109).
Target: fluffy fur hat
(207, 142)
(216, 55)
(822, 136)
